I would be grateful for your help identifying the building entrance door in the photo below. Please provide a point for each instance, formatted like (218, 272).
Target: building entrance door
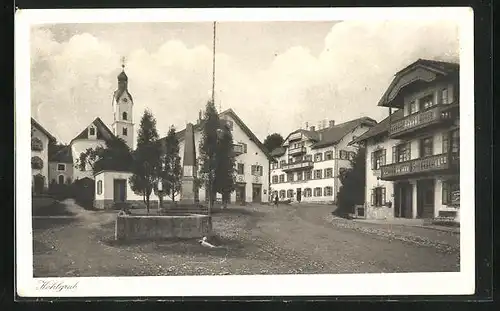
(299, 194)
(240, 193)
(119, 190)
(257, 193)
(403, 200)
(425, 198)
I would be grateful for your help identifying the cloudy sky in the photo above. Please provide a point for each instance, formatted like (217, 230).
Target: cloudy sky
(275, 75)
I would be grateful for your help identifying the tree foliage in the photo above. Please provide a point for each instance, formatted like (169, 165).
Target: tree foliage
(273, 141)
(147, 158)
(224, 181)
(352, 190)
(171, 169)
(115, 156)
(208, 148)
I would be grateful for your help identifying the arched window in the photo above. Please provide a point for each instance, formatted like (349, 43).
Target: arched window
(36, 163)
(124, 131)
(124, 115)
(99, 187)
(60, 179)
(36, 144)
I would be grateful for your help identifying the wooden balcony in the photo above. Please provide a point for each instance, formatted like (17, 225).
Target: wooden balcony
(440, 163)
(421, 120)
(296, 151)
(297, 166)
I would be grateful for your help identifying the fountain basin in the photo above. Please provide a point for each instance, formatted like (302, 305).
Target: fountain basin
(155, 227)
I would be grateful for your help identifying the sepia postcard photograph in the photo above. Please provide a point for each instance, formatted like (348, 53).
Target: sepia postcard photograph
(244, 152)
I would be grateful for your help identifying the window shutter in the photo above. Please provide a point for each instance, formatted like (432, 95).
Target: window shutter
(261, 170)
(373, 160)
(384, 152)
(373, 197)
(408, 145)
(446, 142)
(383, 196)
(394, 155)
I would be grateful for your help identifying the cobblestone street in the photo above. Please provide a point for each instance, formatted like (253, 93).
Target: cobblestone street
(255, 239)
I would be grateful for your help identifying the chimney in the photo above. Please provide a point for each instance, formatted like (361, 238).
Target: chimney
(313, 128)
(332, 123)
(199, 117)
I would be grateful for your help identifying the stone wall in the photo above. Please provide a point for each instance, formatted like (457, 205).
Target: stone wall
(130, 227)
(109, 204)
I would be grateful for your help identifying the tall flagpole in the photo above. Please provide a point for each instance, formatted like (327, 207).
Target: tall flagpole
(213, 66)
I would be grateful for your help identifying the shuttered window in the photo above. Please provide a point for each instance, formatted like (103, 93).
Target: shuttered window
(378, 159)
(378, 196)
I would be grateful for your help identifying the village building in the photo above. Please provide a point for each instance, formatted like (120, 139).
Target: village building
(412, 156)
(252, 160)
(40, 141)
(308, 164)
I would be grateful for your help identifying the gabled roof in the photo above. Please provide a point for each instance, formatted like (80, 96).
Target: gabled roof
(332, 135)
(103, 132)
(61, 154)
(381, 128)
(429, 71)
(42, 129)
(229, 112)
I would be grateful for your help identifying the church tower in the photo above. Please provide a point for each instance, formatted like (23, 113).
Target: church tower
(123, 126)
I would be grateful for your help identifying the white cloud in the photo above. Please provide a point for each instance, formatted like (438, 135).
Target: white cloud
(73, 81)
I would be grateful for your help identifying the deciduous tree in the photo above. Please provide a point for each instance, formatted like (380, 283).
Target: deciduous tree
(352, 190)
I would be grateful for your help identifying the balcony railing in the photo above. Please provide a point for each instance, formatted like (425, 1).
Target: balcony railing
(238, 149)
(296, 151)
(417, 121)
(430, 164)
(297, 166)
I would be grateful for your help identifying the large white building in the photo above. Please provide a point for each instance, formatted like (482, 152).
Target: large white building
(412, 157)
(252, 161)
(40, 141)
(309, 162)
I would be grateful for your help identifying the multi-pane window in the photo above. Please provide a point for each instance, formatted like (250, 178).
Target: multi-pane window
(92, 131)
(282, 163)
(124, 115)
(413, 107)
(257, 170)
(36, 163)
(342, 171)
(300, 176)
(61, 167)
(307, 175)
(449, 191)
(124, 131)
(317, 174)
(282, 194)
(444, 96)
(328, 172)
(455, 141)
(275, 179)
(328, 191)
(308, 157)
(317, 192)
(378, 158)
(401, 153)
(351, 155)
(289, 193)
(282, 178)
(240, 168)
(427, 102)
(343, 155)
(426, 147)
(318, 157)
(328, 155)
(378, 196)
(307, 192)
(289, 177)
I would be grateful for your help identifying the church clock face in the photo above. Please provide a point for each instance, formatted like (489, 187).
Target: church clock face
(125, 100)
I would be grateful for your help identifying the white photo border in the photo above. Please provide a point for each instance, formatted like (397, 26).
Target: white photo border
(448, 283)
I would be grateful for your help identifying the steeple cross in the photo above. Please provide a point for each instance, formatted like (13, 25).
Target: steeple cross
(123, 62)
